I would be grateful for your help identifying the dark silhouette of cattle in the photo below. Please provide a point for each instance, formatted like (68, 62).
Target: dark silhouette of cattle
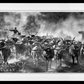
(76, 52)
(5, 50)
(72, 52)
(5, 53)
(48, 56)
(2, 43)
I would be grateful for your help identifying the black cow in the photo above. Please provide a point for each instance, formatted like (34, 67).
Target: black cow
(49, 53)
(5, 53)
(2, 43)
(5, 50)
(76, 53)
(48, 56)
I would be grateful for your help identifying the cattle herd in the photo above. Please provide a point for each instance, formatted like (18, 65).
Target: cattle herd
(44, 48)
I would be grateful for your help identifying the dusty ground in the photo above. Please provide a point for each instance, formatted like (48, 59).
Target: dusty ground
(27, 66)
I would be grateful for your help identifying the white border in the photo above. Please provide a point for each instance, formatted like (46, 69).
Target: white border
(37, 7)
(42, 77)
(69, 7)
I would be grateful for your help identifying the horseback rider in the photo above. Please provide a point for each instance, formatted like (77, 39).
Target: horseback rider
(15, 31)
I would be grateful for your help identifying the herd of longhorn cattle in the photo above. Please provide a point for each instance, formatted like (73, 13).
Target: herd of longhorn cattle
(41, 48)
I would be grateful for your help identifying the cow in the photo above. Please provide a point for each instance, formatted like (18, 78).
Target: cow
(5, 51)
(76, 53)
(72, 50)
(62, 49)
(20, 49)
(36, 53)
(82, 51)
(2, 43)
(48, 55)
(17, 46)
(40, 50)
(28, 42)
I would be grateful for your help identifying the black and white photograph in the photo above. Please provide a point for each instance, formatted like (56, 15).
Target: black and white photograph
(40, 42)
(37, 42)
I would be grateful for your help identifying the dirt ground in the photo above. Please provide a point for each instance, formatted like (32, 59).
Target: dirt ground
(27, 66)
